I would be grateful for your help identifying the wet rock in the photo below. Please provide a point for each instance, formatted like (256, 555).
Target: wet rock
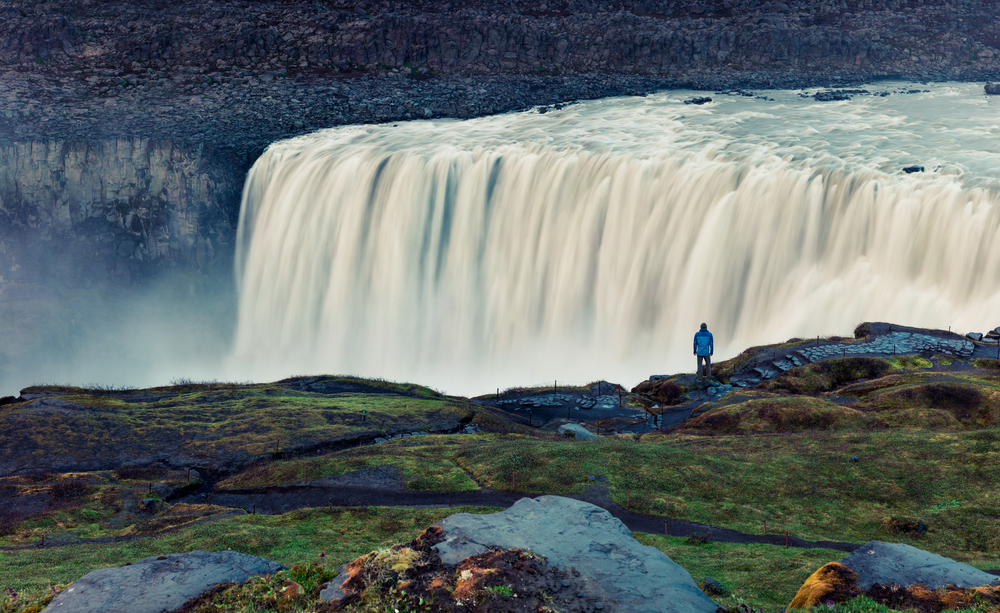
(976, 336)
(702, 100)
(158, 583)
(913, 169)
(993, 89)
(626, 575)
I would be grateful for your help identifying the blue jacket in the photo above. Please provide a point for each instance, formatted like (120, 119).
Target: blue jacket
(704, 344)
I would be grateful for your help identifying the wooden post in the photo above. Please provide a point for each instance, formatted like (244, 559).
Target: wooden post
(817, 341)
(665, 528)
(381, 426)
(498, 395)
(786, 539)
(555, 386)
(643, 427)
(449, 498)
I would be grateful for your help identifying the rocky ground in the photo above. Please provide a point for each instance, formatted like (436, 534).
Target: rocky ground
(235, 76)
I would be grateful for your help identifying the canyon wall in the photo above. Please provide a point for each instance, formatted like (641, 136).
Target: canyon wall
(86, 212)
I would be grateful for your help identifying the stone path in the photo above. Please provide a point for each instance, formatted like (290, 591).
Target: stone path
(881, 345)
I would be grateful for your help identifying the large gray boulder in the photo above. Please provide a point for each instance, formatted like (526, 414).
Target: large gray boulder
(627, 575)
(158, 583)
(885, 563)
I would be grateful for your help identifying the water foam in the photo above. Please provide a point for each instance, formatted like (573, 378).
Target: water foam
(591, 242)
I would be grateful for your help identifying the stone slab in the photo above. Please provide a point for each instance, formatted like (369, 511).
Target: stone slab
(574, 534)
(885, 563)
(157, 583)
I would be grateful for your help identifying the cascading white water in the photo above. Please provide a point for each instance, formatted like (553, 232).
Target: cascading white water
(591, 242)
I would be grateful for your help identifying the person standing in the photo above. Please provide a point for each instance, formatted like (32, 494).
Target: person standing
(704, 347)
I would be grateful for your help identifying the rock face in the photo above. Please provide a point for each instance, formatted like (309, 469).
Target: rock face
(155, 584)
(885, 563)
(570, 533)
(83, 213)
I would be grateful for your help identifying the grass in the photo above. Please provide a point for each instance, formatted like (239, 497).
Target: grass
(299, 537)
(424, 461)
(211, 420)
(802, 482)
(927, 442)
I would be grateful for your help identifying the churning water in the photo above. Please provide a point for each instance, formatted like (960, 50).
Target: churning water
(590, 242)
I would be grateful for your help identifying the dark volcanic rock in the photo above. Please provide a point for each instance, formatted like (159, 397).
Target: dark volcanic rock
(993, 89)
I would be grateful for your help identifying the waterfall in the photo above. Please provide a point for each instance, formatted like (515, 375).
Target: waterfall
(591, 242)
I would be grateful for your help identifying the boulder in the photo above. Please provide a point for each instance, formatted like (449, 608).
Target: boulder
(700, 100)
(578, 432)
(993, 89)
(912, 169)
(833, 582)
(886, 563)
(158, 583)
(976, 336)
(627, 575)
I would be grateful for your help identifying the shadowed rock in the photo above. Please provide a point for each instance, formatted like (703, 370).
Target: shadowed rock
(570, 533)
(886, 563)
(159, 583)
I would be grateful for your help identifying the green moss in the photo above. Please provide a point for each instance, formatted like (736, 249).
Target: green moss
(827, 375)
(778, 414)
(909, 362)
(216, 419)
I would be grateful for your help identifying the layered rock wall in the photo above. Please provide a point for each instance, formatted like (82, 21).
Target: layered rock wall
(82, 212)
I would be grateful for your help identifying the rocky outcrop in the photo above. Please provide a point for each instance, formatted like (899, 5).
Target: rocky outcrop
(569, 533)
(157, 583)
(84, 212)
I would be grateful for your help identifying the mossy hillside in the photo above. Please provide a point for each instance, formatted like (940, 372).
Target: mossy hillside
(827, 375)
(68, 426)
(68, 507)
(802, 481)
(778, 414)
(299, 537)
(425, 462)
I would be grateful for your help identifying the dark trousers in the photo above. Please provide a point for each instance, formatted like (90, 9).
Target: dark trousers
(707, 372)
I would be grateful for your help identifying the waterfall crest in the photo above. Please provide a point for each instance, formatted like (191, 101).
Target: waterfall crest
(523, 249)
